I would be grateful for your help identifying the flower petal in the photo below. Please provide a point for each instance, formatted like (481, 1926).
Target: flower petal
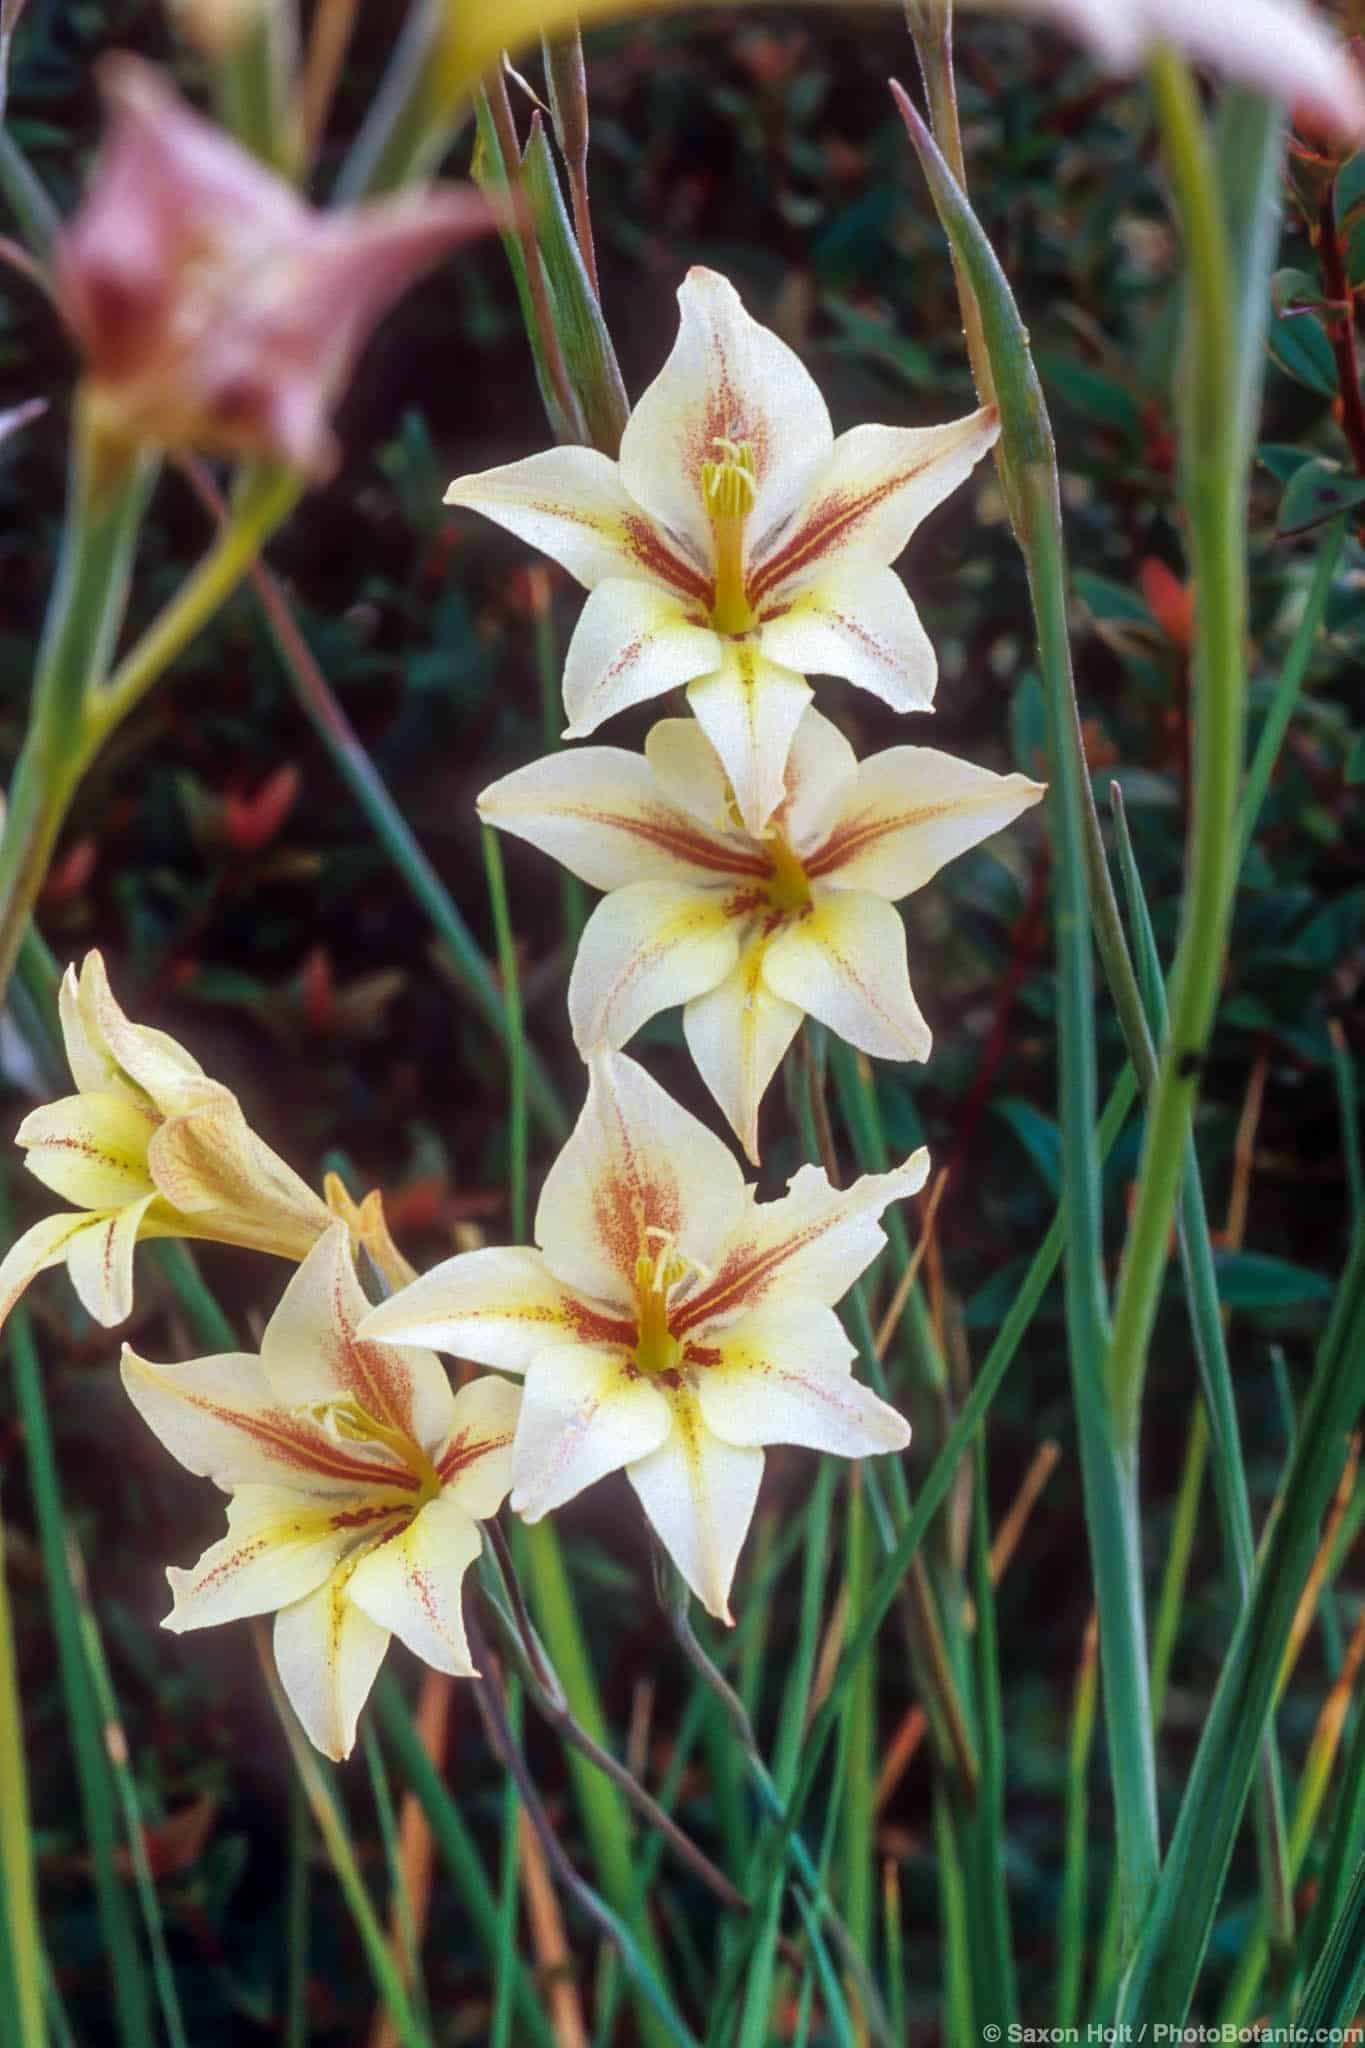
(636, 1170)
(911, 810)
(100, 1262)
(571, 504)
(782, 1376)
(647, 947)
(737, 1035)
(749, 709)
(412, 1585)
(845, 963)
(219, 1416)
(586, 1412)
(312, 1350)
(858, 622)
(328, 1652)
(632, 642)
(103, 1040)
(280, 1547)
(726, 379)
(90, 1149)
(499, 1306)
(43, 1244)
(879, 483)
(602, 813)
(210, 1165)
(688, 771)
(476, 1463)
(699, 1494)
(821, 768)
(812, 1244)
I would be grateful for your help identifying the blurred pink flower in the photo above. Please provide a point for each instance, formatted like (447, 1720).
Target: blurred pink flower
(216, 309)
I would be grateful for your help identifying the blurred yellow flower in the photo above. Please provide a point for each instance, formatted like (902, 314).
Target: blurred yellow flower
(149, 1147)
(358, 1481)
(737, 544)
(668, 1323)
(751, 933)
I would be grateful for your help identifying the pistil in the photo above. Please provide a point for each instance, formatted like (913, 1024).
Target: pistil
(728, 486)
(657, 1350)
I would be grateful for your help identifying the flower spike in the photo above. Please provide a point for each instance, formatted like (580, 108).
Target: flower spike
(667, 1322)
(737, 544)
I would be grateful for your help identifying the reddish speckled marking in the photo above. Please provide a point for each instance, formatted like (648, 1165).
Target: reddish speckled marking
(648, 547)
(462, 1451)
(829, 522)
(301, 1445)
(853, 836)
(747, 1272)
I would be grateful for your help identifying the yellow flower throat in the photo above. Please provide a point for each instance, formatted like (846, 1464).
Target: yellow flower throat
(657, 1350)
(347, 1420)
(728, 486)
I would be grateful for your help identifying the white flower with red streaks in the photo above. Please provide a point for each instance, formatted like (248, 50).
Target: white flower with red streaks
(666, 1322)
(737, 545)
(149, 1147)
(750, 934)
(358, 1482)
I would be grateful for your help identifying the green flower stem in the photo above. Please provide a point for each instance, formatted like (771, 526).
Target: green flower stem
(1214, 481)
(1271, 736)
(296, 1920)
(131, 2003)
(105, 499)
(331, 1825)
(21, 1945)
(514, 1028)
(603, 1811)
(1071, 1910)
(857, 1830)
(1108, 1458)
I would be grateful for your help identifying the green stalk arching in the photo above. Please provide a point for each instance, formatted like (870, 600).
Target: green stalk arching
(21, 1942)
(1108, 1462)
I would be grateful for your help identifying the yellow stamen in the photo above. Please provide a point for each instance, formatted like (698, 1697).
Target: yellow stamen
(346, 1419)
(728, 486)
(788, 884)
(657, 1350)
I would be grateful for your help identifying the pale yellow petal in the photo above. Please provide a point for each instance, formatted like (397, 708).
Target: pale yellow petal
(910, 811)
(737, 1035)
(220, 1417)
(845, 962)
(230, 1186)
(857, 622)
(152, 1061)
(570, 503)
(637, 1171)
(821, 771)
(749, 708)
(475, 1464)
(328, 1653)
(585, 1413)
(603, 813)
(412, 1585)
(91, 1149)
(727, 379)
(877, 486)
(782, 1376)
(498, 1306)
(699, 1494)
(689, 772)
(633, 641)
(42, 1245)
(100, 1262)
(313, 1352)
(811, 1245)
(279, 1548)
(646, 948)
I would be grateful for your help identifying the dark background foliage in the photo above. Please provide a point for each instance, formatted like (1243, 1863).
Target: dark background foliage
(241, 902)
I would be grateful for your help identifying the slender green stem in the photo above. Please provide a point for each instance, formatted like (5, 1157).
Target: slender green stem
(1071, 1911)
(505, 1968)
(336, 1838)
(860, 1709)
(296, 1920)
(21, 1943)
(1214, 479)
(132, 2009)
(514, 1028)
(1288, 685)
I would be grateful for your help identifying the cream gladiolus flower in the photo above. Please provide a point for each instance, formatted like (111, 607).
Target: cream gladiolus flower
(736, 545)
(358, 1482)
(751, 934)
(149, 1147)
(668, 1323)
